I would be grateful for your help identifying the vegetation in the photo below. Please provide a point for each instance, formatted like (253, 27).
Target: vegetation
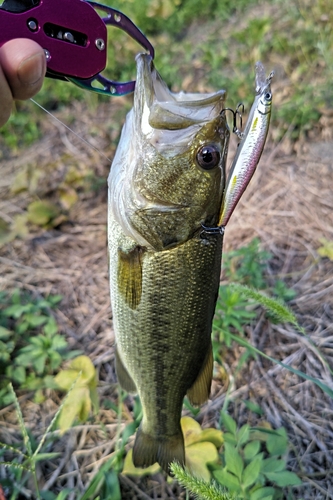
(31, 349)
(211, 45)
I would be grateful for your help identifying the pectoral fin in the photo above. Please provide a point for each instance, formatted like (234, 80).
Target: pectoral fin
(199, 392)
(124, 378)
(130, 276)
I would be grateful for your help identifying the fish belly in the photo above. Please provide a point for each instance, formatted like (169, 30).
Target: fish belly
(163, 337)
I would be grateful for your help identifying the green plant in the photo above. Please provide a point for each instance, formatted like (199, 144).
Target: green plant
(252, 465)
(253, 461)
(232, 312)
(202, 489)
(23, 461)
(31, 349)
(247, 265)
(282, 314)
(235, 309)
(25, 455)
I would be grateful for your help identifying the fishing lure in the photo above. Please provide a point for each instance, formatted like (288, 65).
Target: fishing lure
(73, 36)
(250, 147)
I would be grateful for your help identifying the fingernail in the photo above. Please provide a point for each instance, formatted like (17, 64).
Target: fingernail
(32, 69)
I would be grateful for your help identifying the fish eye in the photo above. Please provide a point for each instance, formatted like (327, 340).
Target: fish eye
(268, 96)
(208, 157)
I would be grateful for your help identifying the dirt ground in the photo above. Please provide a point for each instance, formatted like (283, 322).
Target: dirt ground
(288, 205)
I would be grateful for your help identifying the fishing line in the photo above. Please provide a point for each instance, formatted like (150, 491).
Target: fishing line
(68, 128)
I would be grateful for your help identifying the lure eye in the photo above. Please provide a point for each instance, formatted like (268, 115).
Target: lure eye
(208, 157)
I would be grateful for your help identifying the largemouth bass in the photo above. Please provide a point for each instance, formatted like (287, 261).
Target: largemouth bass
(166, 182)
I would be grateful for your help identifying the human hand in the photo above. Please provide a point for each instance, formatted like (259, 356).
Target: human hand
(22, 71)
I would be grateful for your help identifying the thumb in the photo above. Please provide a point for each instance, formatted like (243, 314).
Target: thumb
(24, 64)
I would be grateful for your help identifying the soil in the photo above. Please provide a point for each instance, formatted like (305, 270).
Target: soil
(288, 206)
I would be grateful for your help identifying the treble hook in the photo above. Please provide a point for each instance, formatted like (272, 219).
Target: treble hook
(236, 113)
(236, 130)
(234, 116)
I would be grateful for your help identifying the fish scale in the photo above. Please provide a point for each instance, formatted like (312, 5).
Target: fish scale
(166, 181)
(187, 310)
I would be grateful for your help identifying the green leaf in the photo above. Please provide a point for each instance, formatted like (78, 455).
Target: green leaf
(272, 465)
(98, 480)
(265, 493)
(128, 431)
(251, 472)
(5, 333)
(59, 342)
(284, 478)
(16, 373)
(16, 310)
(112, 487)
(243, 434)
(39, 363)
(251, 449)
(46, 456)
(35, 320)
(234, 461)
(230, 438)
(277, 443)
(51, 327)
(253, 407)
(226, 479)
(229, 423)
(64, 494)
(53, 300)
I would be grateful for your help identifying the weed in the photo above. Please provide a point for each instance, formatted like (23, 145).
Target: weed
(247, 265)
(232, 313)
(235, 308)
(252, 465)
(253, 459)
(31, 349)
(23, 465)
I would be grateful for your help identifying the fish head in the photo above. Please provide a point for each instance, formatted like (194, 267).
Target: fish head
(168, 174)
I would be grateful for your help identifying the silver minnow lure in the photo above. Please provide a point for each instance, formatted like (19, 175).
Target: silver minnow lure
(250, 147)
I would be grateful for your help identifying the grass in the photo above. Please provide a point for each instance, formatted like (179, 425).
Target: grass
(294, 38)
(209, 46)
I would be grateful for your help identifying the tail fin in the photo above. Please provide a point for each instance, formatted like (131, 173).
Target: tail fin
(148, 450)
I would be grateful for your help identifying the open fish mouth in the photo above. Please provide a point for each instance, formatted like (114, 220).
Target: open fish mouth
(170, 120)
(157, 191)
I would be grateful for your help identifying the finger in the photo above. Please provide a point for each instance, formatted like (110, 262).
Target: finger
(24, 65)
(6, 99)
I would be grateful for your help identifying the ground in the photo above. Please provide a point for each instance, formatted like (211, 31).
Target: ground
(288, 206)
